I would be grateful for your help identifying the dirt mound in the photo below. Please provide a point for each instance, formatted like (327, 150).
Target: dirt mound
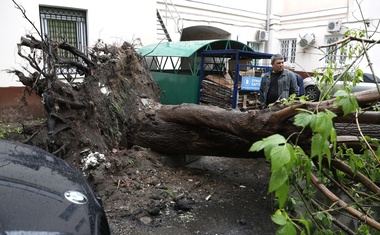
(143, 194)
(92, 125)
(146, 193)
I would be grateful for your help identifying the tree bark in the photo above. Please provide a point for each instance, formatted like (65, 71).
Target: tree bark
(206, 130)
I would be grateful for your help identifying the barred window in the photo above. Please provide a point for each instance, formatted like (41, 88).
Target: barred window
(65, 25)
(255, 46)
(333, 53)
(288, 49)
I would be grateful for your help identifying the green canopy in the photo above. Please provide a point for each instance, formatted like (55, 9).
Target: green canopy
(188, 48)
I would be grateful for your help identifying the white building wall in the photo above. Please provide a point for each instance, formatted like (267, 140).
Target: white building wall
(116, 21)
(296, 18)
(241, 18)
(113, 21)
(287, 19)
(296, 25)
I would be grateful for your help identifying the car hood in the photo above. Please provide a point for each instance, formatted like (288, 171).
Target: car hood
(40, 192)
(308, 81)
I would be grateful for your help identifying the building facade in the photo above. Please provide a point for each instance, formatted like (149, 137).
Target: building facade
(293, 28)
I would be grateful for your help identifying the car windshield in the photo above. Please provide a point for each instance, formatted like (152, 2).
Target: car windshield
(368, 77)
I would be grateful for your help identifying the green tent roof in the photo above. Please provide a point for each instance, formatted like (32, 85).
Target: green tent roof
(188, 48)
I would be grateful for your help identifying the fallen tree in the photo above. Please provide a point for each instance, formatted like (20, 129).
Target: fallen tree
(125, 110)
(116, 104)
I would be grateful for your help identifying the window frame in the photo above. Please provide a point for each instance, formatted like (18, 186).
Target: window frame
(65, 24)
(335, 52)
(290, 50)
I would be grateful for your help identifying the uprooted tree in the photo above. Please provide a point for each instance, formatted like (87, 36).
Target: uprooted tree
(117, 103)
(107, 99)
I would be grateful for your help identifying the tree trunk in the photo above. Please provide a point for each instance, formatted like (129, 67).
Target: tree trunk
(206, 130)
(118, 105)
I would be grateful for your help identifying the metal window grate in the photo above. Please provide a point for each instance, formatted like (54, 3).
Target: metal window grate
(257, 46)
(293, 51)
(65, 25)
(254, 45)
(334, 55)
(332, 50)
(288, 49)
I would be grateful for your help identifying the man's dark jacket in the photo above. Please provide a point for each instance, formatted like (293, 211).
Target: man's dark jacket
(287, 85)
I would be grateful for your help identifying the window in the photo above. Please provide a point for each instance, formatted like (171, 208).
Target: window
(69, 25)
(288, 49)
(255, 46)
(258, 47)
(333, 54)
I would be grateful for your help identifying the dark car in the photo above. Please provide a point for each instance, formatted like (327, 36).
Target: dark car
(43, 194)
(313, 92)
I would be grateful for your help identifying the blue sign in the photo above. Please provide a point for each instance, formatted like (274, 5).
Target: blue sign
(250, 83)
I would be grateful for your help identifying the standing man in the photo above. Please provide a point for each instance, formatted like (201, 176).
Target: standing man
(278, 83)
(301, 90)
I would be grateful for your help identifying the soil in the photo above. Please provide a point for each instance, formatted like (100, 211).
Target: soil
(146, 193)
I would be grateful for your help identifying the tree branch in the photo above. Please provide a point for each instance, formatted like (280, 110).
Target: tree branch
(23, 12)
(371, 222)
(339, 165)
(34, 43)
(347, 39)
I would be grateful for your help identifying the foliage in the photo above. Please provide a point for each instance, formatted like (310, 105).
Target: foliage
(6, 131)
(296, 175)
(170, 192)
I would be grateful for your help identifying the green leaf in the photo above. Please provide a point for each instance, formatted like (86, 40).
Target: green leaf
(341, 93)
(277, 179)
(257, 146)
(275, 139)
(287, 229)
(352, 164)
(326, 151)
(280, 155)
(322, 123)
(347, 102)
(330, 114)
(305, 223)
(293, 157)
(317, 145)
(333, 137)
(325, 218)
(267, 151)
(303, 119)
(319, 215)
(282, 194)
(320, 147)
(279, 219)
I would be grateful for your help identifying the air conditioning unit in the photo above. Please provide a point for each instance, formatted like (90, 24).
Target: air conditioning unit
(334, 26)
(262, 35)
(307, 40)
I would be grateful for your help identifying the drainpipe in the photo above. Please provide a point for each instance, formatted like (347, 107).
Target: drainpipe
(268, 22)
